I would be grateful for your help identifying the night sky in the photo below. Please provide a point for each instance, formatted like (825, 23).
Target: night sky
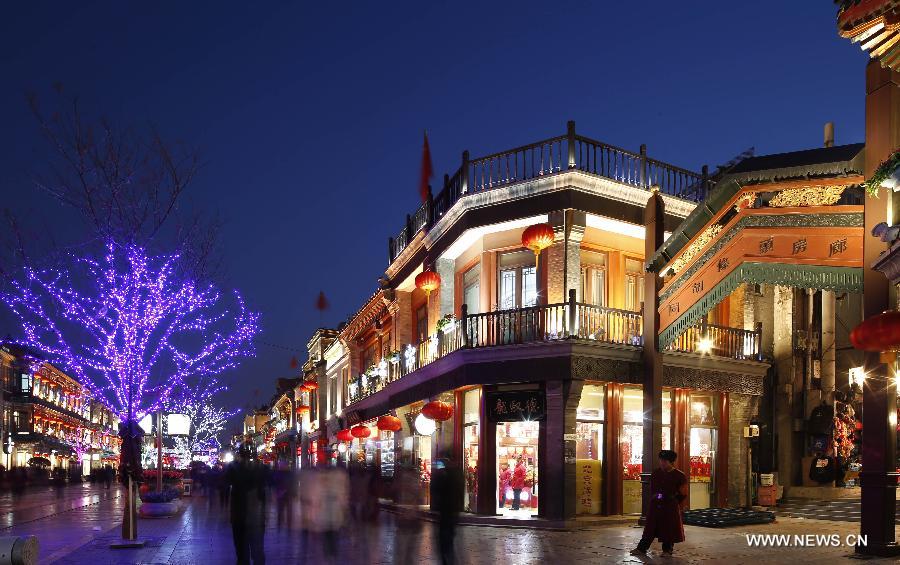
(309, 117)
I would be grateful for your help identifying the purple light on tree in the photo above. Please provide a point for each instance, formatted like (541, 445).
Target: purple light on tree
(130, 326)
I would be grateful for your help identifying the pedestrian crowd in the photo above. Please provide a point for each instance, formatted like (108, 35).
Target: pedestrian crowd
(333, 509)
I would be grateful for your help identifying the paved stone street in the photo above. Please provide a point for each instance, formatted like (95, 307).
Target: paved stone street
(78, 525)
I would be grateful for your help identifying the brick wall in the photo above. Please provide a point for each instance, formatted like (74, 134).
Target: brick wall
(557, 288)
(741, 408)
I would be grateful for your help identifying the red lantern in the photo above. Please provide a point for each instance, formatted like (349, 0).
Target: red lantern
(428, 281)
(303, 388)
(312, 385)
(345, 435)
(389, 424)
(878, 333)
(538, 237)
(302, 409)
(360, 431)
(437, 410)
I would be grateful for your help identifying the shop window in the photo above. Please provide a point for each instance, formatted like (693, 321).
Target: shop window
(368, 357)
(472, 289)
(593, 278)
(422, 323)
(632, 443)
(332, 395)
(345, 381)
(471, 412)
(26, 383)
(517, 468)
(589, 448)
(518, 280)
(634, 284)
(704, 439)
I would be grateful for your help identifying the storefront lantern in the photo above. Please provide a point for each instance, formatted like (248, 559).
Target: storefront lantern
(360, 431)
(303, 388)
(344, 435)
(878, 333)
(538, 237)
(311, 385)
(302, 409)
(437, 410)
(424, 425)
(428, 281)
(389, 424)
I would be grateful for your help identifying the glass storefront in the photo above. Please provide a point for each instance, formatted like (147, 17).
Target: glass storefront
(703, 444)
(471, 409)
(517, 468)
(589, 448)
(632, 443)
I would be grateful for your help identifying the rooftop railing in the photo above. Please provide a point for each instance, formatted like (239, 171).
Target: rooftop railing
(547, 157)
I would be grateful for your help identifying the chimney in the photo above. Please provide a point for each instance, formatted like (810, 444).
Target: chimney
(829, 134)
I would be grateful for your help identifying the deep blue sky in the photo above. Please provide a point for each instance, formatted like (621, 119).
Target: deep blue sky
(309, 116)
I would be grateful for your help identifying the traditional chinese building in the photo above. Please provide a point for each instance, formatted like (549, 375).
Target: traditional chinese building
(49, 415)
(541, 356)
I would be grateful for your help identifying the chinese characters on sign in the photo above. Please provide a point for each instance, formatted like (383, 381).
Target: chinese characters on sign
(515, 406)
(838, 246)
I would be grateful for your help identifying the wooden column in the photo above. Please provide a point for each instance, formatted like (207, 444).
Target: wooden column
(612, 472)
(878, 477)
(651, 357)
(681, 432)
(487, 501)
(721, 461)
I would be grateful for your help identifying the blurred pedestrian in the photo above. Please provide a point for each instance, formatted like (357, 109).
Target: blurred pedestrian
(285, 495)
(108, 475)
(446, 499)
(59, 481)
(332, 511)
(668, 491)
(246, 479)
(407, 497)
(364, 505)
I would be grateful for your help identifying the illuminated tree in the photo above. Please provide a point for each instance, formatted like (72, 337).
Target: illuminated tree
(206, 418)
(131, 327)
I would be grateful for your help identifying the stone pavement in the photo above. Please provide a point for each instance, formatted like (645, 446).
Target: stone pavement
(201, 534)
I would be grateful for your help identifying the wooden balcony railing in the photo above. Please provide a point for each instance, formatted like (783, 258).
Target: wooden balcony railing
(547, 157)
(721, 341)
(546, 323)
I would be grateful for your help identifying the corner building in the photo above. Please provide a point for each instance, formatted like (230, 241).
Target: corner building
(540, 356)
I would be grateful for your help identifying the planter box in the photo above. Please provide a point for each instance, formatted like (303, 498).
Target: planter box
(158, 509)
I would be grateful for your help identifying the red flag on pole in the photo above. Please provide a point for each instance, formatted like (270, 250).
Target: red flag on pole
(321, 302)
(294, 362)
(427, 171)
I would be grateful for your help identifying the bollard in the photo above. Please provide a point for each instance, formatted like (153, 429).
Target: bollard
(18, 550)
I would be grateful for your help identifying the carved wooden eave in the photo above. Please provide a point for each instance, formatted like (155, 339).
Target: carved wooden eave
(804, 240)
(374, 309)
(875, 26)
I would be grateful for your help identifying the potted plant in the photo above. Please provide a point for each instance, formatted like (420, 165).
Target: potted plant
(156, 504)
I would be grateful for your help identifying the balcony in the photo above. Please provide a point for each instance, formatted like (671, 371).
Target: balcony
(548, 157)
(546, 323)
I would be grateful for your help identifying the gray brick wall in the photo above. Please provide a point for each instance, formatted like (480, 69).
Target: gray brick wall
(742, 407)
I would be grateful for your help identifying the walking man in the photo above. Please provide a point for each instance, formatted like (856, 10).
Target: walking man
(668, 493)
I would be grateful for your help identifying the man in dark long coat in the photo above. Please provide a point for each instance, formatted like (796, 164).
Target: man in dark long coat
(668, 492)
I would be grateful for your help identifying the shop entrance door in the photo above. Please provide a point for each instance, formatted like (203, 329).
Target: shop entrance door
(517, 469)
(703, 468)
